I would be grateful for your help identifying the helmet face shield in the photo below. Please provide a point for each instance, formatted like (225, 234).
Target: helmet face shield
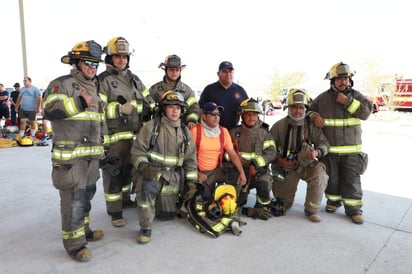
(298, 97)
(95, 50)
(88, 50)
(340, 70)
(173, 98)
(118, 46)
(250, 105)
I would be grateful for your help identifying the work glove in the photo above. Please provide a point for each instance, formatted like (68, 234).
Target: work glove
(150, 172)
(305, 154)
(261, 213)
(126, 108)
(192, 189)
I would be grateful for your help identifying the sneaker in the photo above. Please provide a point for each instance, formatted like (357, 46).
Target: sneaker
(93, 236)
(313, 217)
(118, 222)
(143, 236)
(82, 255)
(357, 219)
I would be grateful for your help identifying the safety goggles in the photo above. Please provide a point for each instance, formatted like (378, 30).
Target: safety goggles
(90, 63)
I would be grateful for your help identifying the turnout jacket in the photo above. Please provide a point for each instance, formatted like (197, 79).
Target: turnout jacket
(77, 131)
(117, 87)
(192, 112)
(254, 144)
(172, 148)
(343, 122)
(309, 133)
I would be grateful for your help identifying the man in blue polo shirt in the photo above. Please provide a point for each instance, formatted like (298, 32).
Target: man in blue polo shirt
(225, 93)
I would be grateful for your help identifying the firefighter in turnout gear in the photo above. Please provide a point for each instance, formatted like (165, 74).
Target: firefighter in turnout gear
(300, 145)
(339, 111)
(164, 157)
(76, 112)
(128, 106)
(257, 150)
(172, 80)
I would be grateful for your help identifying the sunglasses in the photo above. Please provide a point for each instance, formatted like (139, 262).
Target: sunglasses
(214, 114)
(90, 63)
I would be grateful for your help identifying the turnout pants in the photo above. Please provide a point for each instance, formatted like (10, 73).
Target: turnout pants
(77, 186)
(344, 185)
(316, 179)
(117, 188)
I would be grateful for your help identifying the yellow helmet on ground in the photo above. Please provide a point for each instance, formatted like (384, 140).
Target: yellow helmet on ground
(298, 97)
(26, 141)
(88, 50)
(340, 70)
(226, 196)
(117, 46)
(250, 105)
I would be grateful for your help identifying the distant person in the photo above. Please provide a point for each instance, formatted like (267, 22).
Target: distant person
(128, 106)
(225, 93)
(4, 103)
(13, 102)
(164, 158)
(46, 129)
(172, 80)
(299, 145)
(76, 112)
(339, 111)
(28, 105)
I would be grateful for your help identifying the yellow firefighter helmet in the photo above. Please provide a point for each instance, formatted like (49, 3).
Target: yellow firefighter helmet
(298, 97)
(226, 196)
(87, 50)
(250, 105)
(340, 70)
(117, 46)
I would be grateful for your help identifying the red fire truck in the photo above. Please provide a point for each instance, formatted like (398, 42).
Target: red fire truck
(399, 94)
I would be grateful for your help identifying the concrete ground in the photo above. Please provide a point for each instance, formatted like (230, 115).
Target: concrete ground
(31, 241)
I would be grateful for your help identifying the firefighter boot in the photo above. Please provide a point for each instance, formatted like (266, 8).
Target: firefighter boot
(313, 217)
(331, 207)
(93, 236)
(143, 236)
(357, 219)
(120, 222)
(82, 255)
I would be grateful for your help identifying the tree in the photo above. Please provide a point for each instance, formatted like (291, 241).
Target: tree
(284, 82)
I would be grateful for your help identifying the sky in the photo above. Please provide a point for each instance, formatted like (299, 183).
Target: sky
(259, 37)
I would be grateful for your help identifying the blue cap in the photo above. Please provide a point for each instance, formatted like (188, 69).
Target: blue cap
(225, 65)
(211, 106)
